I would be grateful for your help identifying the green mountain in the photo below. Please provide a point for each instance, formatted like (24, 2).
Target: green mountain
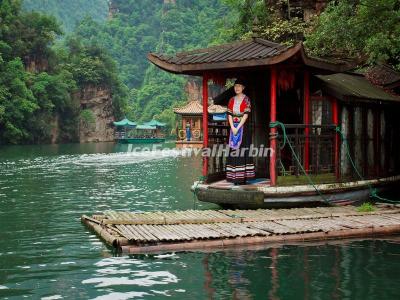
(70, 12)
(40, 82)
(139, 27)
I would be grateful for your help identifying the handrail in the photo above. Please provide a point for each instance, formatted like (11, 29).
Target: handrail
(303, 126)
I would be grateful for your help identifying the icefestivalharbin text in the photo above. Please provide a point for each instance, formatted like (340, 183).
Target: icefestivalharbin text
(214, 151)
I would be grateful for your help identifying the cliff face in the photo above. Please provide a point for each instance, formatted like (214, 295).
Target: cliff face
(96, 117)
(194, 90)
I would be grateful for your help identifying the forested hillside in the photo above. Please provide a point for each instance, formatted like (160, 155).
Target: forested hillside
(41, 69)
(38, 82)
(70, 12)
(138, 27)
(367, 31)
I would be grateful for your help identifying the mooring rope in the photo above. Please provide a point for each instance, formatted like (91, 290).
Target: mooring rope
(373, 192)
(287, 142)
(195, 189)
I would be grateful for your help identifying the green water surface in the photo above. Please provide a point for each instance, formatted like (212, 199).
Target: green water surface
(45, 251)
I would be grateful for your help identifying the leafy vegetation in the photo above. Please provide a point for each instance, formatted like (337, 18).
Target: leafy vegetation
(41, 72)
(366, 207)
(70, 12)
(38, 80)
(365, 30)
(146, 26)
(368, 30)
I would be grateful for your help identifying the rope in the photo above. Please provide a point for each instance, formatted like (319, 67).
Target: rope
(195, 189)
(373, 193)
(287, 142)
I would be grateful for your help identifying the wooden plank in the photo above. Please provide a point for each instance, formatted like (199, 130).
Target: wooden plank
(157, 232)
(177, 230)
(139, 236)
(126, 233)
(146, 232)
(183, 226)
(273, 227)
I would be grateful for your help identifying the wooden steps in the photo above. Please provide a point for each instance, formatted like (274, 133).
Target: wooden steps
(195, 229)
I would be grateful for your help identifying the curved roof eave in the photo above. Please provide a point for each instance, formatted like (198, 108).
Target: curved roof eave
(200, 68)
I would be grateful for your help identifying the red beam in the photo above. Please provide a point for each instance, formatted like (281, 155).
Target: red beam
(307, 120)
(205, 122)
(273, 131)
(335, 121)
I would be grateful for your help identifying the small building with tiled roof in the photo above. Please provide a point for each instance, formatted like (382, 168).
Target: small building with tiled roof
(312, 97)
(189, 127)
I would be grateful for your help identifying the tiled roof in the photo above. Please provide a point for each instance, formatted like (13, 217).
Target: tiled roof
(244, 50)
(191, 108)
(354, 87)
(195, 108)
(243, 54)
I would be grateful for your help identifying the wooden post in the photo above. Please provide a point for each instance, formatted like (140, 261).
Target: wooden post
(205, 122)
(335, 121)
(306, 89)
(273, 131)
(377, 141)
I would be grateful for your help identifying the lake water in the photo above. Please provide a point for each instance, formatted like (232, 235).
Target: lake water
(45, 251)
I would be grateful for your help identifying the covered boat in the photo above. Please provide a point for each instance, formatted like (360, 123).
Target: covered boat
(128, 132)
(331, 134)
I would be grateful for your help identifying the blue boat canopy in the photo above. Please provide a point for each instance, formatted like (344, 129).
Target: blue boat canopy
(125, 122)
(154, 123)
(219, 117)
(146, 127)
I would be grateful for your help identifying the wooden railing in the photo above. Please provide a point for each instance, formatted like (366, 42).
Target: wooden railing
(196, 134)
(321, 150)
(218, 135)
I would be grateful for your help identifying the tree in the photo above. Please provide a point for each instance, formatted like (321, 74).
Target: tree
(367, 30)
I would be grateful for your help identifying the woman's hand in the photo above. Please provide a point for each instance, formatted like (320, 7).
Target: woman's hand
(235, 130)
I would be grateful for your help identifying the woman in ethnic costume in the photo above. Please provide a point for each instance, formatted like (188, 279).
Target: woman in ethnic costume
(239, 168)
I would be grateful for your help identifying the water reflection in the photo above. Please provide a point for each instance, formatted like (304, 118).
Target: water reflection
(46, 252)
(334, 270)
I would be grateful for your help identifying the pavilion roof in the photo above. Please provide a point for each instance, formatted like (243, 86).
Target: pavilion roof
(146, 127)
(253, 53)
(196, 108)
(124, 122)
(155, 123)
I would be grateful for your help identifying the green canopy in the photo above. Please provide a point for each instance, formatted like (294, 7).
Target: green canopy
(155, 123)
(146, 127)
(125, 122)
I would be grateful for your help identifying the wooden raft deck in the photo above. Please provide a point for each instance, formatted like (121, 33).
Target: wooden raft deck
(195, 229)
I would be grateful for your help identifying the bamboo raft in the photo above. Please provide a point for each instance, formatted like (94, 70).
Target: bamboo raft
(195, 230)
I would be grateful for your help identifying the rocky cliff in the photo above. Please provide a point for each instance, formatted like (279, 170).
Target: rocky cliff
(96, 115)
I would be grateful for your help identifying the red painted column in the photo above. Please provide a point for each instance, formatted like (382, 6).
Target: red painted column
(205, 122)
(273, 131)
(335, 121)
(306, 97)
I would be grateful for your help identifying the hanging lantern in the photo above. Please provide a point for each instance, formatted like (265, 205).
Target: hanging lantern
(286, 80)
(217, 78)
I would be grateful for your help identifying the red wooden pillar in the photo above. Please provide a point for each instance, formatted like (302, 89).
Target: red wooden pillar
(205, 122)
(335, 121)
(273, 131)
(306, 97)
(377, 141)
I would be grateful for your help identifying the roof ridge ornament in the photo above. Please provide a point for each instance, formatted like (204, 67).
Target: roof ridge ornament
(256, 29)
